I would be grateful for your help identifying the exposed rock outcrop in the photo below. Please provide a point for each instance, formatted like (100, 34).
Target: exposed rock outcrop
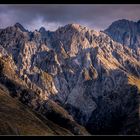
(93, 75)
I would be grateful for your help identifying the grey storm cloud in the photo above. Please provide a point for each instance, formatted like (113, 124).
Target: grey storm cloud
(51, 16)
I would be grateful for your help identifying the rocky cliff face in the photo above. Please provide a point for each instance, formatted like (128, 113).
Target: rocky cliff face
(93, 75)
(44, 113)
(127, 33)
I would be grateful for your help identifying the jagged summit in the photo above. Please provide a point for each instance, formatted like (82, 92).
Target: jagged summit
(42, 29)
(123, 24)
(125, 32)
(123, 21)
(72, 26)
(18, 25)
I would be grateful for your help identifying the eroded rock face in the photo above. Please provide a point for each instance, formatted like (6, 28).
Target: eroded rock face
(127, 33)
(82, 70)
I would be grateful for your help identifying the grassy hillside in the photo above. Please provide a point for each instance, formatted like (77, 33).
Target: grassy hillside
(16, 119)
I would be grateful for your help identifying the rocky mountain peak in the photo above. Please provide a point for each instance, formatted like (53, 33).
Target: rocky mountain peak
(73, 27)
(123, 23)
(42, 29)
(125, 32)
(43, 32)
(18, 25)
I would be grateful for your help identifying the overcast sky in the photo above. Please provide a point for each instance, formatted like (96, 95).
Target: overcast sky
(51, 16)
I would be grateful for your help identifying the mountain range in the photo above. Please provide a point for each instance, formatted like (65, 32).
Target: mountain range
(72, 81)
